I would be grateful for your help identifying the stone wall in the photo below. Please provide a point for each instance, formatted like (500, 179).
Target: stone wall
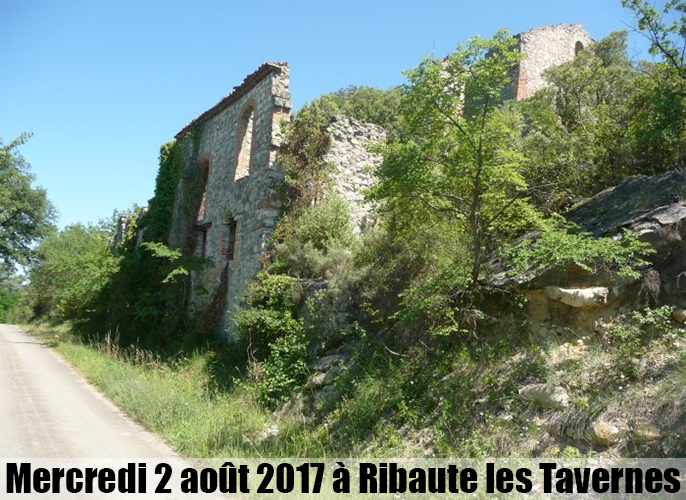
(350, 157)
(235, 151)
(543, 48)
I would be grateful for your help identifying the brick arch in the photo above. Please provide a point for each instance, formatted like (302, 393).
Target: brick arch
(578, 47)
(245, 140)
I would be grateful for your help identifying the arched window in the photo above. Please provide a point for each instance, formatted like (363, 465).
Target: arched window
(245, 127)
(578, 47)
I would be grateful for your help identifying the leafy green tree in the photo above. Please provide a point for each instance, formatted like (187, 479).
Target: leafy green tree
(26, 215)
(659, 126)
(463, 161)
(368, 104)
(578, 131)
(666, 30)
(73, 269)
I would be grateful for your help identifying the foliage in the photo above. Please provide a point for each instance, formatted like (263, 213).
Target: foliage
(160, 208)
(660, 120)
(8, 303)
(367, 104)
(268, 328)
(563, 243)
(601, 119)
(73, 269)
(667, 36)
(26, 215)
(578, 135)
(315, 242)
(628, 338)
(463, 164)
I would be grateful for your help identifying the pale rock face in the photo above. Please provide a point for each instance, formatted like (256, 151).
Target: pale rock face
(545, 396)
(605, 433)
(583, 298)
(679, 315)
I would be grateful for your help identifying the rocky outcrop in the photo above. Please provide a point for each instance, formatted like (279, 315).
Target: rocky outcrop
(583, 298)
(545, 396)
(579, 300)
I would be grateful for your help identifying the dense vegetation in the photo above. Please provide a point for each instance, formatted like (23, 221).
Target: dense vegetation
(465, 176)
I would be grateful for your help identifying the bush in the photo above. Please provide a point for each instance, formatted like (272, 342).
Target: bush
(316, 242)
(562, 243)
(267, 326)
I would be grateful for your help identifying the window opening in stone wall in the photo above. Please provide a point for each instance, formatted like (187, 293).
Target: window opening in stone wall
(204, 177)
(201, 242)
(231, 240)
(578, 47)
(245, 139)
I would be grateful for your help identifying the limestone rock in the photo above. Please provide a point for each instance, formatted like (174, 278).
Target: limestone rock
(646, 434)
(268, 433)
(605, 433)
(583, 298)
(327, 362)
(325, 394)
(317, 380)
(545, 396)
(321, 379)
(679, 315)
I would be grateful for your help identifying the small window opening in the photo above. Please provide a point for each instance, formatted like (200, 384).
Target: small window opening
(204, 176)
(231, 239)
(201, 243)
(245, 129)
(578, 47)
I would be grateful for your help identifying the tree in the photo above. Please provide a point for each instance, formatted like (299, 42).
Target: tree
(667, 37)
(26, 215)
(73, 268)
(578, 130)
(462, 162)
(660, 121)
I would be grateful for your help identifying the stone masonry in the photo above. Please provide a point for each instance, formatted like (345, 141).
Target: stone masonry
(543, 48)
(351, 160)
(237, 146)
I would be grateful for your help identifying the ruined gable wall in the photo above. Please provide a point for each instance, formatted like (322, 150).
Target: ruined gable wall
(349, 155)
(543, 48)
(251, 201)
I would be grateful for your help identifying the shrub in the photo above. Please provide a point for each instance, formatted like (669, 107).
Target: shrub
(563, 243)
(267, 326)
(315, 242)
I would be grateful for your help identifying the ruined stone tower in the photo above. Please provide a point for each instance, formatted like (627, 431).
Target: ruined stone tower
(545, 47)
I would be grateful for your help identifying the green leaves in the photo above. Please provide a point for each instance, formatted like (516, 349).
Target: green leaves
(74, 269)
(26, 215)
(562, 243)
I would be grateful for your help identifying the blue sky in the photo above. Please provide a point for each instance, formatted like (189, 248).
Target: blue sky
(103, 83)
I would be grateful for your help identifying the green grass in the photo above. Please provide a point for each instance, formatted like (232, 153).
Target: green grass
(460, 402)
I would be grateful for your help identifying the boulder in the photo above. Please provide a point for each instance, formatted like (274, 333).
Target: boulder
(545, 396)
(679, 315)
(327, 362)
(583, 298)
(605, 433)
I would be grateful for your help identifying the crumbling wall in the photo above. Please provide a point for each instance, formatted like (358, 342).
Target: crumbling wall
(234, 150)
(351, 158)
(544, 47)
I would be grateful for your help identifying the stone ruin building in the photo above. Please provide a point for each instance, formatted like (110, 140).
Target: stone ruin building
(234, 154)
(545, 47)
